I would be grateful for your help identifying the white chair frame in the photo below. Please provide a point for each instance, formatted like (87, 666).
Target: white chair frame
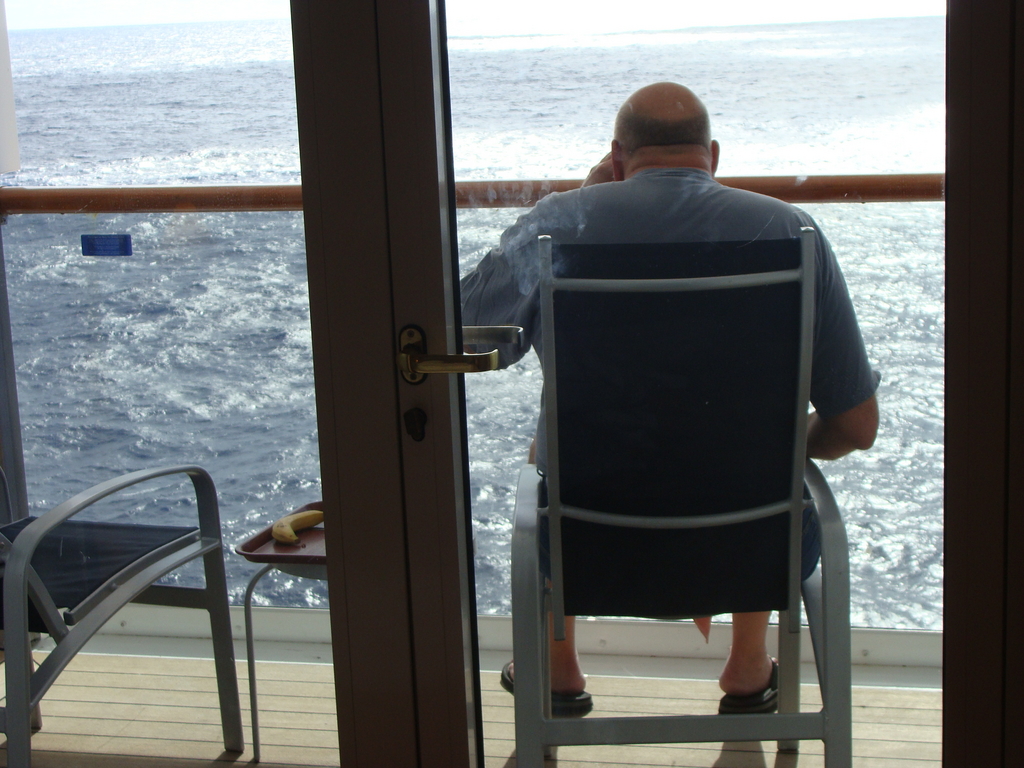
(72, 628)
(826, 594)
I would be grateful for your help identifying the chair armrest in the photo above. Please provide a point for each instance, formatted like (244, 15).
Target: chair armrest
(24, 547)
(834, 546)
(827, 599)
(525, 531)
(525, 524)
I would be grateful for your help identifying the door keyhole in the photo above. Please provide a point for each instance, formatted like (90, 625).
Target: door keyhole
(415, 423)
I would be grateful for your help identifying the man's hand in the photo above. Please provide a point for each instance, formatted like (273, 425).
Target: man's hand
(849, 431)
(600, 173)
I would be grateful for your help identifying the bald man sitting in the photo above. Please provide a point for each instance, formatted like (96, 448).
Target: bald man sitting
(657, 185)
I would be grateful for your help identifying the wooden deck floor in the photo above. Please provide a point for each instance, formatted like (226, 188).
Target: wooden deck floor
(151, 712)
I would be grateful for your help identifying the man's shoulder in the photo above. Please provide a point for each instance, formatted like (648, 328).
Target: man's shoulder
(701, 207)
(662, 182)
(694, 184)
(740, 197)
(746, 201)
(658, 205)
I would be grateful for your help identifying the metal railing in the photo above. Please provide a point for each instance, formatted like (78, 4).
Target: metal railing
(468, 194)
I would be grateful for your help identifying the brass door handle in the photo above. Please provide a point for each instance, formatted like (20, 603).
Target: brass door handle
(417, 362)
(414, 362)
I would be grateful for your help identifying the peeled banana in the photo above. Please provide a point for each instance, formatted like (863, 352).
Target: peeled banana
(285, 528)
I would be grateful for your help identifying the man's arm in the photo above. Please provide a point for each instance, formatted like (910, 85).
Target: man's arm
(851, 430)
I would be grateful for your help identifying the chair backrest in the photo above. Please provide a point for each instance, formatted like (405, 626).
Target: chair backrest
(676, 394)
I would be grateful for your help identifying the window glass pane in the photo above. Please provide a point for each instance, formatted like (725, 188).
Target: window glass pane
(866, 96)
(196, 348)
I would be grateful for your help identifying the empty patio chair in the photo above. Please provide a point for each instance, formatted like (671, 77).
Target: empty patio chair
(66, 578)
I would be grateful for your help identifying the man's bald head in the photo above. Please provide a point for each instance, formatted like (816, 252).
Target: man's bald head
(661, 115)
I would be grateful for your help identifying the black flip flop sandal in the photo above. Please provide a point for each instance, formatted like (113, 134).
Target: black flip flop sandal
(562, 704)
(756, 703)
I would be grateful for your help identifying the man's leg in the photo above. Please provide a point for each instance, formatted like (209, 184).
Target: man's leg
(566, 675)
(749, 667)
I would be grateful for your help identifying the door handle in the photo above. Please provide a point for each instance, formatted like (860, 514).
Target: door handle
(414, 362)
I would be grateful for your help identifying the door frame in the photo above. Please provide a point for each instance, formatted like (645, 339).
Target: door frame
(371, 90)
(371, 181)
(984, 482)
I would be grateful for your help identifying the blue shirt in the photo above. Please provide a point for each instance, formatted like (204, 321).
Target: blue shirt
(669, 205)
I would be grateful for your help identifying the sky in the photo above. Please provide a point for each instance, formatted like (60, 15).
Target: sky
(485, 17)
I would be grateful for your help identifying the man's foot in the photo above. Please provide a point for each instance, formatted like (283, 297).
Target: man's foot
(762, 701)
(742, 677)
(563, 704)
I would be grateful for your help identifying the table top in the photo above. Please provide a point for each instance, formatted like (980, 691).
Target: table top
(261, 547)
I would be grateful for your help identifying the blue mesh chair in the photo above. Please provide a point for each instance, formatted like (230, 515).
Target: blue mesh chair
(676, 384)
(67, 578)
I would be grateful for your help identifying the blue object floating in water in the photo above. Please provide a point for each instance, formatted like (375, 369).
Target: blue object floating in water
(106, 245)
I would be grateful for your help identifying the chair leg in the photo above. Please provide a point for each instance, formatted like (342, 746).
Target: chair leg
(529, 636)
(532, 698)
(250, 655)
(36, 718)
(223, 651)
(789, 675)
(18, 714)
(836, 693)
(837, 702)
(839, 747)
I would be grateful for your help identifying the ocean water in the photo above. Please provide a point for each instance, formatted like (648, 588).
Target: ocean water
(197, 348)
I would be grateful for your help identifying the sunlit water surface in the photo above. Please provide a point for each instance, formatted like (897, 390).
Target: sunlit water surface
(197, 348)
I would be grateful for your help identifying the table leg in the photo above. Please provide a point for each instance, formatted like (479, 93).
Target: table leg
(250, 655)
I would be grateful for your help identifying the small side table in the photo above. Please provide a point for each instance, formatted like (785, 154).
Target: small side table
(307, 560)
